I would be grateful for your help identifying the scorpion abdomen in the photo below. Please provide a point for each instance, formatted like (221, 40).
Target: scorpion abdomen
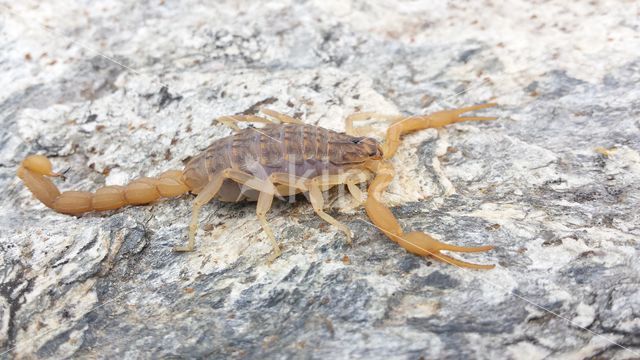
(300, 150)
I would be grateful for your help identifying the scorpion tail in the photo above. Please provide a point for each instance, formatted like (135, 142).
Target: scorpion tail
(35, 171)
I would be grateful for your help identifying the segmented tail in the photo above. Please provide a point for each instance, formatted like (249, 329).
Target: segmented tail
(35, 171)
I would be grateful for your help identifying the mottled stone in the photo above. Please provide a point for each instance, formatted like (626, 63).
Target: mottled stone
(553, 184)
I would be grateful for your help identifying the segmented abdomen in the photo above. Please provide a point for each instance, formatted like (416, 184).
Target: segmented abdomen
(302, 150)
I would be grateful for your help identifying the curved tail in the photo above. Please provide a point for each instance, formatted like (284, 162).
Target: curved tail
(35, 171)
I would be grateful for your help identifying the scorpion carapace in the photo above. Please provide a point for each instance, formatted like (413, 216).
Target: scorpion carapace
(280, 159)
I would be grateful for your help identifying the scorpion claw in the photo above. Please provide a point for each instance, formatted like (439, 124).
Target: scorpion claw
(460, 263)
(471, 108)
(475, 118)
(423, 244)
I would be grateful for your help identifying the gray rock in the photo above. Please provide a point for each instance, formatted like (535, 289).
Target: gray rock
(562, 216)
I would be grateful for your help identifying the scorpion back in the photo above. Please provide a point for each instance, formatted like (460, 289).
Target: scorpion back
(296, 149)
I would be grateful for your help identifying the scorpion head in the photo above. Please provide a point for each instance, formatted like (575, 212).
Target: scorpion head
(364, 148)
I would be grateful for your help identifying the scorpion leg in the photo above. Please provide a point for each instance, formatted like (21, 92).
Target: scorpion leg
(204, 196)
(352, 185)
(290, 184)
(317, 201)
(265, 199)
(314, 187)
(281, 117)
(414, 242)
(231, 121)
(435, 120)
(364, 116)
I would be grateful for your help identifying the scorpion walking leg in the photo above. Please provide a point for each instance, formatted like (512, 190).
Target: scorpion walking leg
(204, 196)
(435, 120)
(231, 121)
(265, 199)
(314, 187)
(317, 201)
(352, 185)
(362, 116)
(281, 117)
(414, 242)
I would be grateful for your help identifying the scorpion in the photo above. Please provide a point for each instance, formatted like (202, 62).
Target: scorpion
(282, 158)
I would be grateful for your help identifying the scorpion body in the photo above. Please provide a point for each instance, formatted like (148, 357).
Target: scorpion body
(280, 159)
(296, 149)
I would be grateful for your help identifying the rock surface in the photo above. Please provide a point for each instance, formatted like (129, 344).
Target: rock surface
(553, 184)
